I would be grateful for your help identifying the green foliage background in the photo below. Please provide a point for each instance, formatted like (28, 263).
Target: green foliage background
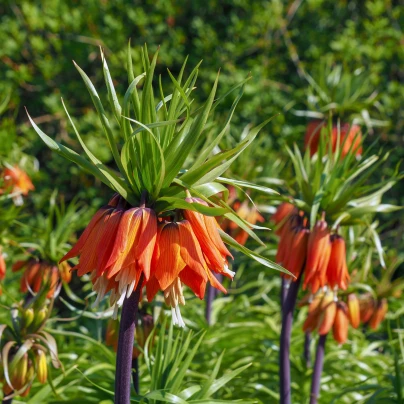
(275, 41)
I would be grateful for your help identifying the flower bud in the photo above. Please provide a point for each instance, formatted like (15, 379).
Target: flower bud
(65, 272)
(353, 310)
(329, 311)
(318, 255)
(313, 316)
(20, 373)
(111, 335)
(28, 317)
(143, 330)
(378, 315)
(39, 318)
(367, 307)
(281, 216)
(41, 367)
(337, 270)
(341, 323)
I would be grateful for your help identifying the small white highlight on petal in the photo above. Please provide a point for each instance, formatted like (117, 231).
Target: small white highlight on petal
(227, 271)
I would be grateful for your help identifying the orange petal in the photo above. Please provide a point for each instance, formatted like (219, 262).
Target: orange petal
(341, 323)
(125, 238)
(152, 287)
(194, 280)
(353, 310)
(328, 318)
(18, 265)
(77, 248)
(107, 241)
(147, 241)
(170, 263)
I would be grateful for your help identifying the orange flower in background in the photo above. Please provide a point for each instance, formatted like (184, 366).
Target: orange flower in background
(17, 182)
(249, 214)
(112, 334)
(280, 217)
(318, 255)
(341, 323)
(2, 268)
(337, 270)
(328, 309)
(379, 314)
(41, 273)
(350, 136)
(2, 265)
(367, 306)
(353, 310)
(292, 248)
(313, 316)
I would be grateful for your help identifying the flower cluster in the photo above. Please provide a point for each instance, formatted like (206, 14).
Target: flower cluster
(25, 348)
(126, 247)
(372, 311)
(318, 253)
(39, 273)
(319, 257)
(327, 312)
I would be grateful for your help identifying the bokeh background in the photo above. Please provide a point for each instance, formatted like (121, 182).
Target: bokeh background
(279, 43)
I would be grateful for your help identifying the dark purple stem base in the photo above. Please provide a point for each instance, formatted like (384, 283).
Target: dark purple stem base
(135, 374)
(210, 296)
(318, 368)
(127, 328)
(288, 307)
(306, 352)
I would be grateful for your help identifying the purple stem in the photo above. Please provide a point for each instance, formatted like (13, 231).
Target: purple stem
(284, 290)
(219, 277)
(210, 297)
(306, 352)
(7, 401)
(125, 346)
(287, 321)
(209, 301)
(318, 368)
(135, 374)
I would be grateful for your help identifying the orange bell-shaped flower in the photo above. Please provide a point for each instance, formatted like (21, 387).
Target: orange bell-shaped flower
(328, 309)
(313, 316)
(353, 310)
(378, 314)
(341, 323)
(283, 212)
(318, 255)
(206, 230)
(337, 270)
